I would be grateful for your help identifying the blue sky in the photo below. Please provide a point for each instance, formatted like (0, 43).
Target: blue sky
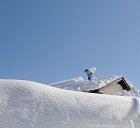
(52, 40)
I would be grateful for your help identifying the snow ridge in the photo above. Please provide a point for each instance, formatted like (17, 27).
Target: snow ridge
(27, 104)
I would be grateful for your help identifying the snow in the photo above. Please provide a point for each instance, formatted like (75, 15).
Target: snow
(79, 84)
(27, 104)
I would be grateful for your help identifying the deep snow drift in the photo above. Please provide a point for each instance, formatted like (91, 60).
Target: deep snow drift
(26, 104)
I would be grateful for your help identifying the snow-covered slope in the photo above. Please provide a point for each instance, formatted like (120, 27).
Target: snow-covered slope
(26, 104)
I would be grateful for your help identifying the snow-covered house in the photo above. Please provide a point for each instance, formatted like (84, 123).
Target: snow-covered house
(112, 85)
(113, 88)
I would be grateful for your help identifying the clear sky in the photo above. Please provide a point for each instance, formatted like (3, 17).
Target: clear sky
(53, 40)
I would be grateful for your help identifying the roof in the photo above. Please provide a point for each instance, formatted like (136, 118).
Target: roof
(121, 81)
(79, 84)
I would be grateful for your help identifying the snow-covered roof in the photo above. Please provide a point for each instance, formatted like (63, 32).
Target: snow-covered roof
(79, 84)
(117, 82)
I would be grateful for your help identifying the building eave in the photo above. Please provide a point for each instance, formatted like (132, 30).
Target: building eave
(121, 81)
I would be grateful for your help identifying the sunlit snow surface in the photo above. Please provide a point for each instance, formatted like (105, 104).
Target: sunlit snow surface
(79, 84)
(26, 104)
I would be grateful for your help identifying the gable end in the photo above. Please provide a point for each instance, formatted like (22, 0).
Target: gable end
(124, 84)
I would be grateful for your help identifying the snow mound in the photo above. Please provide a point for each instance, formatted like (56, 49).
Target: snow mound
(26, 104)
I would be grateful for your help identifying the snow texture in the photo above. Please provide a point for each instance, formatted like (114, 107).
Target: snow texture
(26, 104)
(79, 84)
